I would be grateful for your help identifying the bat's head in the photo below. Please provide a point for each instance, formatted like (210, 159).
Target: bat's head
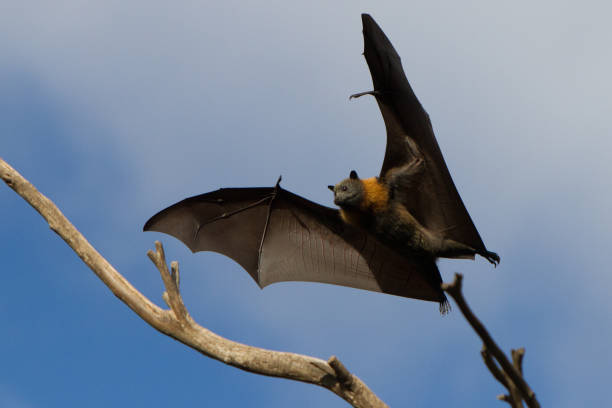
(349, 193)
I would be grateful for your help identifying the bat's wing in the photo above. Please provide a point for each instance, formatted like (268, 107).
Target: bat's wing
(278, 236)
(434, 201)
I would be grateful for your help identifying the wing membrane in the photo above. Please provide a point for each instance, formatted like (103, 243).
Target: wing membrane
(435, 202)
(279, 236)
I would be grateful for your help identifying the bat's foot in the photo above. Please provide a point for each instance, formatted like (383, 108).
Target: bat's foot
(445, 306)
(491, 257)
(357, 95)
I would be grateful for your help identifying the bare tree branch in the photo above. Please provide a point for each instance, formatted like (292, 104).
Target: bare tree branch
(517, 358)
(178, 324)
(493, 367)
(513, 397)
(513, 373)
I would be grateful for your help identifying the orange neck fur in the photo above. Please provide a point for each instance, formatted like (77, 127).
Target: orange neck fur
(376, 197)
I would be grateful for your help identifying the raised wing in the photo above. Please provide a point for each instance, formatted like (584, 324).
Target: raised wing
(278, 236)
(434, 200)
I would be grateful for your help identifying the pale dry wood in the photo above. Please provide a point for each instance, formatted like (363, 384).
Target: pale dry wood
(512, 374)
(178, 324)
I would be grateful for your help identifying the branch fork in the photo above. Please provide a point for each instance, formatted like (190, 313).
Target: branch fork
(510, 375)
(332, 375)
(171, 279)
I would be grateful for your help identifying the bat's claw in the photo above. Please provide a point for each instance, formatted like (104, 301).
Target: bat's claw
(491, 257)
(357, 95)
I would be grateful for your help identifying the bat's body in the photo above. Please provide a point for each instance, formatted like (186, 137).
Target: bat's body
(371, 205)
(389, 229)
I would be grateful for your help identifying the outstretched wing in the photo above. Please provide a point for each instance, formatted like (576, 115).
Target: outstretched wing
(278, 236)
(435, 202)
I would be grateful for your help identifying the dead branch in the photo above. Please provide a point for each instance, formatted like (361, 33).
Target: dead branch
(176, 321)
(509, 375)
(513, 397)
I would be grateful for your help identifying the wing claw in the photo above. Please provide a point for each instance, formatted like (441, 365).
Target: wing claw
(360, 94)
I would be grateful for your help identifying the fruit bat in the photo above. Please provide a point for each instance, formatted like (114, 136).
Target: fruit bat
(389, 230)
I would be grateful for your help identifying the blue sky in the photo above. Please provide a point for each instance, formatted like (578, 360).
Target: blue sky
(117, 110)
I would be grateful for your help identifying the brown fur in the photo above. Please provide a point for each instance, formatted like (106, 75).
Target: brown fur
(352, 217)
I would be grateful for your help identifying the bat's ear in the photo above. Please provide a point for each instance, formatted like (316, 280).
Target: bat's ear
(331, 188)
(354, 175)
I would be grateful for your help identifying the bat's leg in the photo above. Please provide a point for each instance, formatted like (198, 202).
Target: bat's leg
(373, 93)
(450, 249)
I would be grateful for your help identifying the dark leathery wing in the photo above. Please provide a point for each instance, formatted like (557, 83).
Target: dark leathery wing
(435, 202)
(302, 241)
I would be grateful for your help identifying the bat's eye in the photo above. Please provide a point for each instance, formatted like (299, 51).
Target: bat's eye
(344, 188)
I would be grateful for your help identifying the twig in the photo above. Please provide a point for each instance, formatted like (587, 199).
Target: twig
(172, 295)
(517, 358)
(493, 368)
(343, 375)
(513, 397)
(178, 324)
(514, 374)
